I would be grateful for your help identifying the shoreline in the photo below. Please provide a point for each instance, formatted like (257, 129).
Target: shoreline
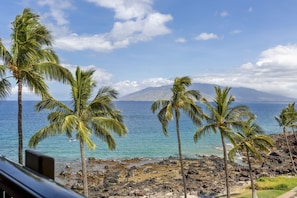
(160, 177)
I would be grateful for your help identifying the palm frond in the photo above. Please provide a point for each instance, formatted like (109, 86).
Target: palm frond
(158, 104)
(35, 83)
(108, 92)
(163, 120)
(51, 104)
(84, 133)
(4, 54)
(106, 137)
(48, 131)
(193, 93)
(204, 130)
(109, 124)
(54, 71)
(70, 123)
(5, 88)
(233, 151)
(194, 112)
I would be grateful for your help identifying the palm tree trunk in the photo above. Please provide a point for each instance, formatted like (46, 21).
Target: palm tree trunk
(20, 122)
(180, 154)
(84, 168)
(290, 152)
(294, 133)
(226, 165)
(254, 194)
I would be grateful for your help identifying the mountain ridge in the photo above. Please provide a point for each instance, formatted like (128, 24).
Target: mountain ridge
(242, 94)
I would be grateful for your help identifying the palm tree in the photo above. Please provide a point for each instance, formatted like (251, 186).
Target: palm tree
(180, 99)
(251, 140)
(291, 112)
(222, 117)
(284, 120)
(5, 85)
(98, 116)
(30, 61)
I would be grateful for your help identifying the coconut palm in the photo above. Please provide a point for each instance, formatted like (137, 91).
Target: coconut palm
(97, 117)
(251, 140)
(284, 120)
(292, 114)
(222, 117)
(31, 60)
(169, 109)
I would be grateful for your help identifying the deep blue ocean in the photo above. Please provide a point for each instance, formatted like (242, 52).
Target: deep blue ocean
(145, 137)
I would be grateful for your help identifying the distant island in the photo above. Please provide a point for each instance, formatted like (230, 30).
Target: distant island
(207, 91)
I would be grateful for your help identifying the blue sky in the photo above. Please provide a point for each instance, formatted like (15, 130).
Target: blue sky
(134, 44)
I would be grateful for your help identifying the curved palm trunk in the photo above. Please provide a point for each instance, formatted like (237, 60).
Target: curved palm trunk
(20, 122)
(254, 194)
(290, 152)
(84, 168)
(226, 165)
(180, 155)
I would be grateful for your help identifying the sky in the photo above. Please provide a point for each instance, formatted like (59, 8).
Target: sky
(134, 44)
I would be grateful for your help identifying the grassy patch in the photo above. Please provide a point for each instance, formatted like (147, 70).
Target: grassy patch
(276, 183)
(270, 187)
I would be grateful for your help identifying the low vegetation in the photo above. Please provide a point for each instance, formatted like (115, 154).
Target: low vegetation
(270, 187)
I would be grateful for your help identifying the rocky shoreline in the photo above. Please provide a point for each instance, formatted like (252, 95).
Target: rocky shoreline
(141, 177)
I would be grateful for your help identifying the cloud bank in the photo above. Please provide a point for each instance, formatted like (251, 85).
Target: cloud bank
(274, 71)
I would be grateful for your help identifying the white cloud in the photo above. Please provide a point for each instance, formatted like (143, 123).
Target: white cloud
(56, 10)
(126, 9)
(127, 86)
(135, 21)
(156, 82)
(76, 42)
(139, 30)
(206, 36)
(250, 9)
(279, 56)
(224, 14)
(181, 40)
(236, 31)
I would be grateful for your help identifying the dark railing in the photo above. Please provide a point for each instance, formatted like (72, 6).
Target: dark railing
(19, 181)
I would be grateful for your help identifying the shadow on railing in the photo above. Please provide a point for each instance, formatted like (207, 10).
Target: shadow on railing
(21, 181)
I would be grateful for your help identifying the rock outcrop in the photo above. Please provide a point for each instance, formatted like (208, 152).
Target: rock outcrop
(161, 177)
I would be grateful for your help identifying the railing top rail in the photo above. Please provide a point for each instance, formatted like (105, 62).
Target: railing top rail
(18, 181)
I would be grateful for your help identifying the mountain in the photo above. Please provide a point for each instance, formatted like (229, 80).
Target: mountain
(207, 91)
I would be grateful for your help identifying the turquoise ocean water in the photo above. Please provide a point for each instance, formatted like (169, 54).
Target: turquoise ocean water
(145, 137)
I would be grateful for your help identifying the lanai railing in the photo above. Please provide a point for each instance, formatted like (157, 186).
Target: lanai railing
(32, 180)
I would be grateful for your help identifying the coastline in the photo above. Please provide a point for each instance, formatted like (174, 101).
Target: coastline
(160, 177)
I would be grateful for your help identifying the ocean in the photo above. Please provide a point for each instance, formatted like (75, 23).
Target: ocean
(145, 138)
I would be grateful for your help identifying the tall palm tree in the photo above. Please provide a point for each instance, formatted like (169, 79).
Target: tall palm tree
(5, 85)
(284, 120)
(222, 117)
(31, 60)
(251, 140)
(97, 116)
(169, 109)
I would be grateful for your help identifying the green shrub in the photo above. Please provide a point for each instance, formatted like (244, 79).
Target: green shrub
(281, 187)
